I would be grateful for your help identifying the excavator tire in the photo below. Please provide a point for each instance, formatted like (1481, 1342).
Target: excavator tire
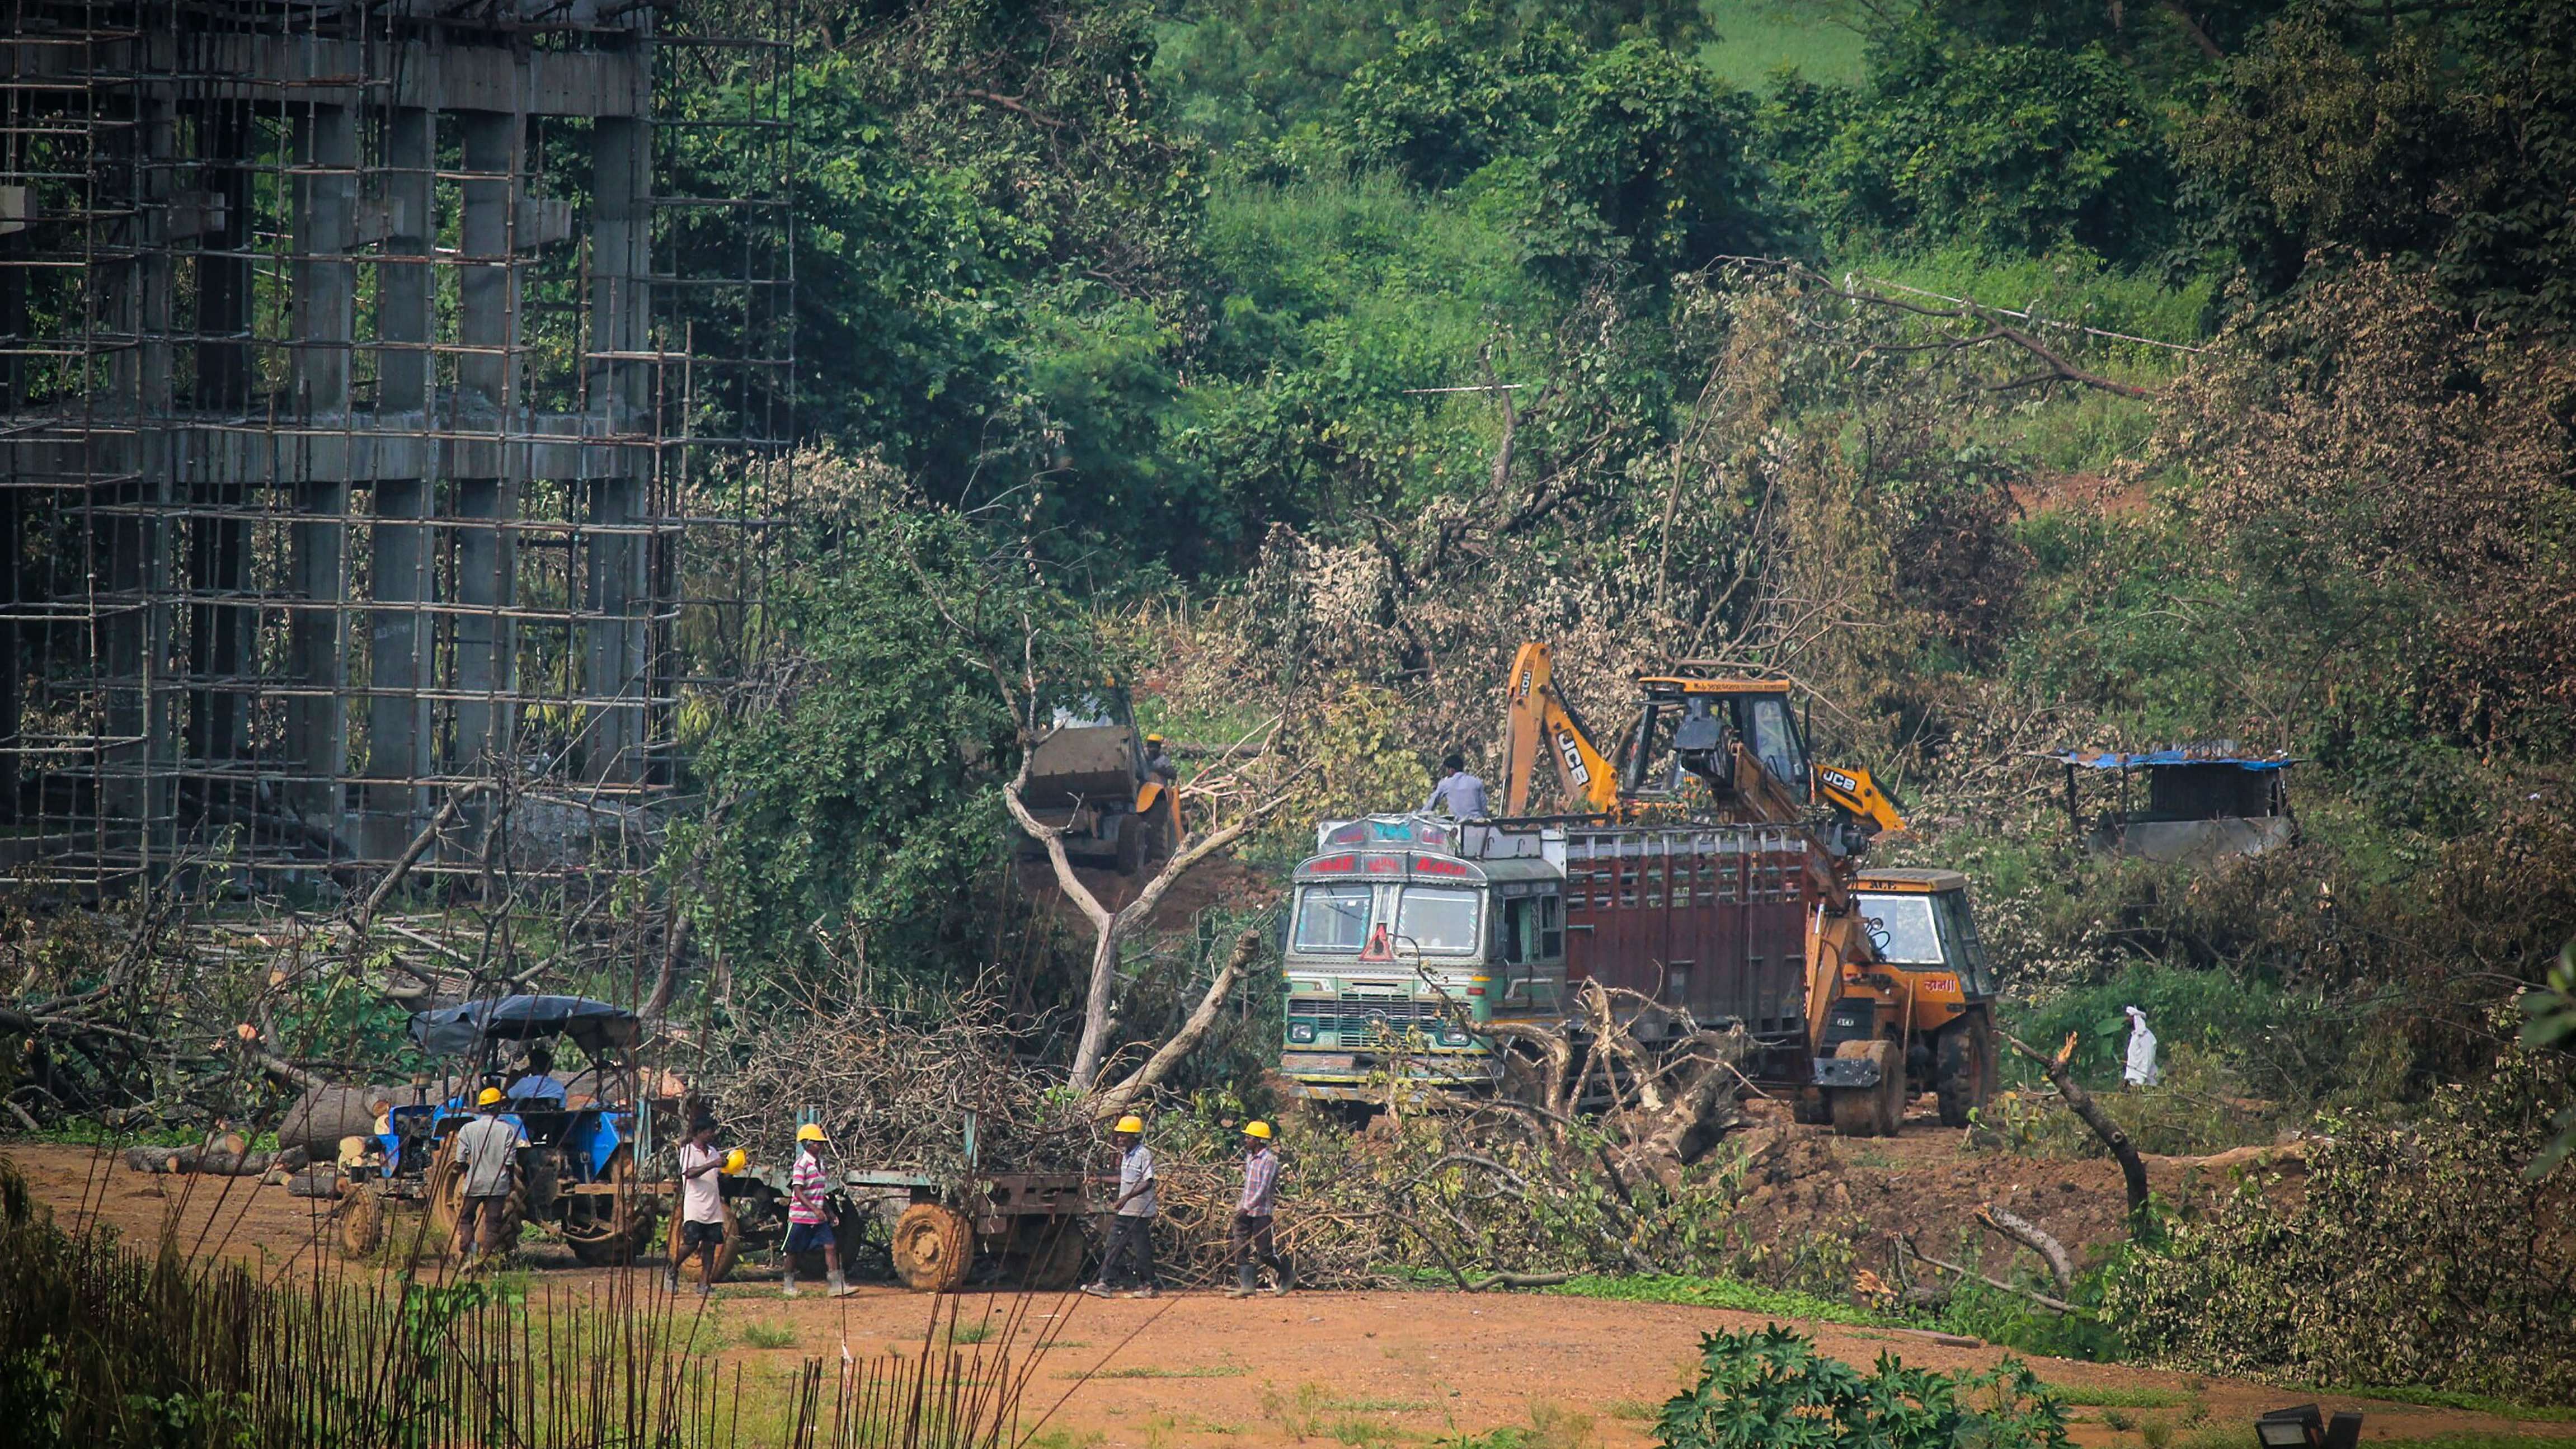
(1965, 1077)
(1871, 1111)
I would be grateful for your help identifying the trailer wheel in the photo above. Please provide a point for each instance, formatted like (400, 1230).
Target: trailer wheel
(933, 1248)
(1871, 1111)
(362, 1220)
(1965, 1082)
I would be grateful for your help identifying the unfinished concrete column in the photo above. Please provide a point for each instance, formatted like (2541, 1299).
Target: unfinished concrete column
(224, 133)
(486, 551)
(317, 735)
(621, 318)
(613, 661)
(398, 662)
(403, 291)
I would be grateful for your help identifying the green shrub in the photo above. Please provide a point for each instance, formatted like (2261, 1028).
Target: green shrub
(1771, 1387)
(2419, 1254)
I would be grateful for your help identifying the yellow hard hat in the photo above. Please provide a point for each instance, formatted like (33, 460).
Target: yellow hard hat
(1257, 1129)
(1153, 739)
(489, 1097)
(1130, 1123)
(736, 1160)
(811, 1132)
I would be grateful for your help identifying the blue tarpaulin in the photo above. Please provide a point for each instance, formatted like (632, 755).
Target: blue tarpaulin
(457, 1030)
(2114, 760)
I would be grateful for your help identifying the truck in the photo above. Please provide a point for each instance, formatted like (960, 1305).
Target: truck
(1714, 872)
(1406, 932)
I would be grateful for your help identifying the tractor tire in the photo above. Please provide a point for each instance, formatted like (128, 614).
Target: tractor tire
(1871, 1111)
(1965, 1078)
(447, 1206)
(362, 1221)
(695, 1268)
(933, 1248)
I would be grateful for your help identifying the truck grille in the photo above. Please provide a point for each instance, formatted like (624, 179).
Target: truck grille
(1361, 1010)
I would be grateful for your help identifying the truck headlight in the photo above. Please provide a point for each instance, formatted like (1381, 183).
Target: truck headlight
(1301, 1031)
(1451, 1036)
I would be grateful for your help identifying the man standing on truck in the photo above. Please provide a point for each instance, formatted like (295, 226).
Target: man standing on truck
(1464, 793)
(701, 1205)
(809, 1228)
(1254, 1244)
(1131, 1223)
(488, 1149)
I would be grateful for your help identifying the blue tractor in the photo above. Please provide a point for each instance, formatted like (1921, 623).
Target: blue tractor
(587, 1136)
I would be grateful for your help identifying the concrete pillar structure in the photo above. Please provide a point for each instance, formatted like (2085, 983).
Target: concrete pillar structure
(325, 298)
(615, 662)
(399, 667)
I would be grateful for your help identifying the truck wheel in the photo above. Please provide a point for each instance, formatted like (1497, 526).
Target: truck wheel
(725, 1252)
(1965, 1082)
(362, 1221)
(1871, 1111)
(933, 1248)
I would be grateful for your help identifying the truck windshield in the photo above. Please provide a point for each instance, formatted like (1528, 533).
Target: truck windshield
(1437, 920)
(1332, 918)
(1902, 929)
(1775, 742)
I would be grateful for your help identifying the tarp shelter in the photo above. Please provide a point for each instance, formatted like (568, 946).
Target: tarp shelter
(594, 1026)
(2201, 801)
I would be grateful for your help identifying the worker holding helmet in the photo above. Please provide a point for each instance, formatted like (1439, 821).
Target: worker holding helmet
(809, 1226)
(488, 1149)
(1254, 1244)
(702, 1214)
(1131, 1222)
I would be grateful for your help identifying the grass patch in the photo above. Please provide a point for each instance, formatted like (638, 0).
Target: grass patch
(1157, 1371)
(769, 1335)
(1064, 1438)
(2450, 1399)
(1756, 37)
(1715, 1293)
(1377, 1406)
(1634, 1411)
(969, 1332)
(2109, 1398)
(1550, 1427)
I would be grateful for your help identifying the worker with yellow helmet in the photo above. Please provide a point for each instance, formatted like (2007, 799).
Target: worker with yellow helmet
(809, 1224)
(1254, 1242)
(487, 1148)
(1131, 1222)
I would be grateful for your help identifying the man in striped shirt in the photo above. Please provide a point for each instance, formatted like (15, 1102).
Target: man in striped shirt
(809, 1221)
(1254, 1244)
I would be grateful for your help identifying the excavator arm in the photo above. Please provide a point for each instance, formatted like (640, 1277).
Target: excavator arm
(1536, 720)
(1858, 797)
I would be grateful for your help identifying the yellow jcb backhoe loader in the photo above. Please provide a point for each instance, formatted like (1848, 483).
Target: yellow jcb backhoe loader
(1899, 993)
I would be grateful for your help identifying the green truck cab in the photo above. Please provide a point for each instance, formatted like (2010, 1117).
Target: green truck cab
(1403, 933)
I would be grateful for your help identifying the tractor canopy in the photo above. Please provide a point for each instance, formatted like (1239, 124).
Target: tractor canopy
(595, 1026)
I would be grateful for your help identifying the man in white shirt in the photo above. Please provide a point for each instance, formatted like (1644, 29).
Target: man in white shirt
(1131, 1224)
(488, 1149)
(702, 1222)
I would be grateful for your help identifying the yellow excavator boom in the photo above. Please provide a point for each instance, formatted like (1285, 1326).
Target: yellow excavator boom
(1536, 720)
(1855, 794)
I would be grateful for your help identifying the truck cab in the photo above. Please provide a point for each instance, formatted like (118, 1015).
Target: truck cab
(1403, 933)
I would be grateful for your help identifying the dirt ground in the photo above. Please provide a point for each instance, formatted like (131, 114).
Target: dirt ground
(1358, 1369)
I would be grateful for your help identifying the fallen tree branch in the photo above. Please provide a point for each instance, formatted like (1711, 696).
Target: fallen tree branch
(1520, 1280)
(2054, 1305)
(1184, 1041)
(2061, 1264)
(2133, 1168)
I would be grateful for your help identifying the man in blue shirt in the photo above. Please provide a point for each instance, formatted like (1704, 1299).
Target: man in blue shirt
(1464, 793)
(538, 1083)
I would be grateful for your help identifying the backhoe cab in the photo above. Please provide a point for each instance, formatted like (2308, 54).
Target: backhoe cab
(1092, 777)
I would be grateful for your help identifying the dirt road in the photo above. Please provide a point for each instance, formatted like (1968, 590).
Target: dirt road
(1197, 1371)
